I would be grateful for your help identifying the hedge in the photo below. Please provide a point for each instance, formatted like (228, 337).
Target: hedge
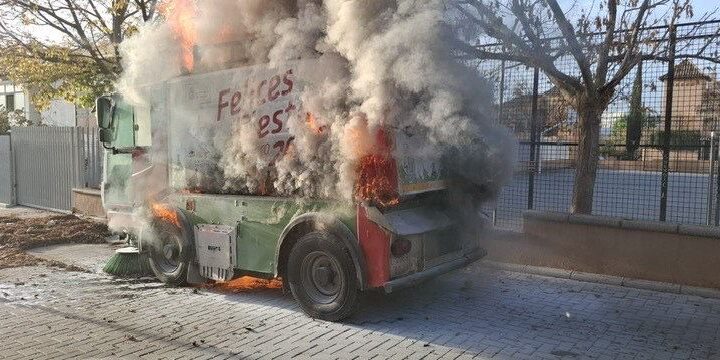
(678, 138)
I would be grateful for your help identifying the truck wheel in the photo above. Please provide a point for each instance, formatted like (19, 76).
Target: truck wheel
(170, 254)
(322, 277)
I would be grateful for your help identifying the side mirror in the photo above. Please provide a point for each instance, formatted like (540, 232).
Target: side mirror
(106, 135)
(105, 107)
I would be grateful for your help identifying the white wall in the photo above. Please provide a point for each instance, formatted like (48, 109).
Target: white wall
(60, 113)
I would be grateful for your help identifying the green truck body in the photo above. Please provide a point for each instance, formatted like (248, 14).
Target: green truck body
(260, 222)
(155, 158)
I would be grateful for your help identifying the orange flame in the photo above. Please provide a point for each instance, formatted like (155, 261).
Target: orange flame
(160, 211)
(376, 169)
(357, 140)
(181, 16)
(313, 124)
(377, 182)
(248, 283)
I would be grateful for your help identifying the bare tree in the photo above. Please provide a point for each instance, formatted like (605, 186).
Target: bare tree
(605, 44)
(75, 44)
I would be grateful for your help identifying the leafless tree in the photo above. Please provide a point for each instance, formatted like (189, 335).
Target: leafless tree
(605, 43)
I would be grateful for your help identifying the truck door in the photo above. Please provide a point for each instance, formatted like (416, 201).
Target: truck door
(118, 164)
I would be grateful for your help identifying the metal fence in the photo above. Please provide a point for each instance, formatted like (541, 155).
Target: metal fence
(651, 179)
(6, 180)
(48, 162)
(92, 157)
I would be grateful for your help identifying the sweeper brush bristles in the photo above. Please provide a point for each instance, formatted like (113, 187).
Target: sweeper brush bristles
(128, 262)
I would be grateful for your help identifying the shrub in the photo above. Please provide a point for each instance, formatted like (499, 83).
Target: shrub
(678, 138)
(11, 118)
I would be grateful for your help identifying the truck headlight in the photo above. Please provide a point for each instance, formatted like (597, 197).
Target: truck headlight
(400, 247)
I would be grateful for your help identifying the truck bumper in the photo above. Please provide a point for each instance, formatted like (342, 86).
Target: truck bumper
(416, 278)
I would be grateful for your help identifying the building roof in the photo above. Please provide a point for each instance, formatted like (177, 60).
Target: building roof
(687, 70)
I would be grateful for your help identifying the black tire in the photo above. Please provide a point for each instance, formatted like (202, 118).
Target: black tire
(321, 276)
(170, 253)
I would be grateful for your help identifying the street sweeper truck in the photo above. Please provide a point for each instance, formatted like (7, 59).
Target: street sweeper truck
(166, 185)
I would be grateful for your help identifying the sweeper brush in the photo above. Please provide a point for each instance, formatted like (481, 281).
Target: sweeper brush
(128, 262)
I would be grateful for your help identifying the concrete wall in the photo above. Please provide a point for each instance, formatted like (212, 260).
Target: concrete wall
(88, 202)
(6, 174)
(680, 254)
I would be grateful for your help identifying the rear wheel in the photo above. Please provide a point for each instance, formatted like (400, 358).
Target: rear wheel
(322, 277)
(170, 253)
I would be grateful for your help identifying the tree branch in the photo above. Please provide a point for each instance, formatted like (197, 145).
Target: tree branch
(569, 34)
(494, 27)
(604, 53)
(630, 60)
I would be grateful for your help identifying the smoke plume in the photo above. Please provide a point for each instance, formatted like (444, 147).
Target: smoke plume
(379, 64)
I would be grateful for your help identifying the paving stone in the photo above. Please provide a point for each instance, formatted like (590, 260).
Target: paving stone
(479, 312)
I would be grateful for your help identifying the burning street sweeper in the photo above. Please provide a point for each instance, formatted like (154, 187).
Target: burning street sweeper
(336, 145)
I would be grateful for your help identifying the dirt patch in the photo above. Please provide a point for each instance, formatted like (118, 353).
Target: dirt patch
(20, 234)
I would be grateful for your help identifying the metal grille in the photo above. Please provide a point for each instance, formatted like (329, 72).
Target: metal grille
(658, 154)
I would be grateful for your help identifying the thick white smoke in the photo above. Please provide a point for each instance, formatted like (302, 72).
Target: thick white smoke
(385, 64)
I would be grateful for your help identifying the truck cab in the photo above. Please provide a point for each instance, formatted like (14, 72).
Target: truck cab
(327, 251)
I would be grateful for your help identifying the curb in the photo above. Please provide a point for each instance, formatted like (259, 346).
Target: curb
(606, 279)
(616, 222)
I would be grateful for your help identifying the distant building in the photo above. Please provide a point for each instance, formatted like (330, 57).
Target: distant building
(554, 116)
(59, 113)
(13, 97)
(696, 98)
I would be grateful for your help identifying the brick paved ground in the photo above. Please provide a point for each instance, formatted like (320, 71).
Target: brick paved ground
(478, 312)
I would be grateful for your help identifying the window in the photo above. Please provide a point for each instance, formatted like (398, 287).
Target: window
(10, 102)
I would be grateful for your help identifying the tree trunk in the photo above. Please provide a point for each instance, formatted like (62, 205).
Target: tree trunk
(587, 158)
(635, 119)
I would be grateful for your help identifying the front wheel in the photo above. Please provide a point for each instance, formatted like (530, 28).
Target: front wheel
(170, 253)
(322, 277)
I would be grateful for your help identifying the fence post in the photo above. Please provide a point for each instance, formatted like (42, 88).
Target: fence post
(668, 124)
(13, 174)
(533, 140)
(500, 115)
(76, 144)
(711, 173)
(85, 155)
(717, 191)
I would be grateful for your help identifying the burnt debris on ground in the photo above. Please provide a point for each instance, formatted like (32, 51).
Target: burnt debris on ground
(20, 234)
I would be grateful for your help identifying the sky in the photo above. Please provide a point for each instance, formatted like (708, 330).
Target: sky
(700, 7)
(703, 6)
